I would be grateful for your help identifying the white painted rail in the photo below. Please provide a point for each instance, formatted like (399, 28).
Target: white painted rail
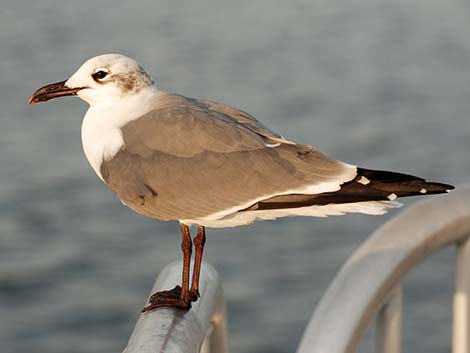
(167, 330)
(368, 286)
(369, 283)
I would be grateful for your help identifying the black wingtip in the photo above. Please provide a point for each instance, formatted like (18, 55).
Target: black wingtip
(437, 188)
(402, 184)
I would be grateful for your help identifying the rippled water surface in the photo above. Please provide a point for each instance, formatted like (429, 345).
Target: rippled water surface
(379, 83)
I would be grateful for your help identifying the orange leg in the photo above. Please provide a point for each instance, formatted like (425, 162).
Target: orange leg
(199, 242)
(177, 297)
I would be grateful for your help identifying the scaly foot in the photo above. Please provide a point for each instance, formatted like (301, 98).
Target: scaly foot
(168, 298)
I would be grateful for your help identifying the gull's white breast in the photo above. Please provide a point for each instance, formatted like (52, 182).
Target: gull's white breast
(101, 140)
(101, 127)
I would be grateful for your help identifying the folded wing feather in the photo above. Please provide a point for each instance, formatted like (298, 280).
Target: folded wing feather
(188, 159)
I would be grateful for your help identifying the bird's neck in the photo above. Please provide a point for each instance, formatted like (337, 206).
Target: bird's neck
(101, 126)
(118, 100)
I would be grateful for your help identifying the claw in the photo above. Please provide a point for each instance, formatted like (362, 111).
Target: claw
(194, 295)
(173, 293)
(167, 302)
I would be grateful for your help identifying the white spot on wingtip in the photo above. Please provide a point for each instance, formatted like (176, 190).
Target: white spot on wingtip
(392, 196)
(363, 180)
(272, 145)
(423, 191)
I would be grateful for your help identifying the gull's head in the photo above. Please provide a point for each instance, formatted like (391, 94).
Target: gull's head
(103, 79)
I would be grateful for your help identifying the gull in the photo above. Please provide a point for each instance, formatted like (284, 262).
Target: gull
(198, 162)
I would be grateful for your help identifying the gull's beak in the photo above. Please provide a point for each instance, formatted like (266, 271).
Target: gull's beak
(54, 90)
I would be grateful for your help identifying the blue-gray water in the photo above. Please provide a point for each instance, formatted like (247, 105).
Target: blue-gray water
(379, 83)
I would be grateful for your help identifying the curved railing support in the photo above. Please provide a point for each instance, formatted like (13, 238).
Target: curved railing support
(388, 335)
(363, 285)
(461, 303)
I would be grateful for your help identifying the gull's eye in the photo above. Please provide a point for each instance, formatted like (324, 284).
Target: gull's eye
(99, 75)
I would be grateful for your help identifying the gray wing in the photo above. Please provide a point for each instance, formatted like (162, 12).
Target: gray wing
(185, 127)
(246, 120)
(188, 159)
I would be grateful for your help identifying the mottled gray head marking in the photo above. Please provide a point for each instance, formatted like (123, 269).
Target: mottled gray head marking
(132, 81)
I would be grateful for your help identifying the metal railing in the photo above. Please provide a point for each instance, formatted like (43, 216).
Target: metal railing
(369, 283)
(368, 286)
(201, 329)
